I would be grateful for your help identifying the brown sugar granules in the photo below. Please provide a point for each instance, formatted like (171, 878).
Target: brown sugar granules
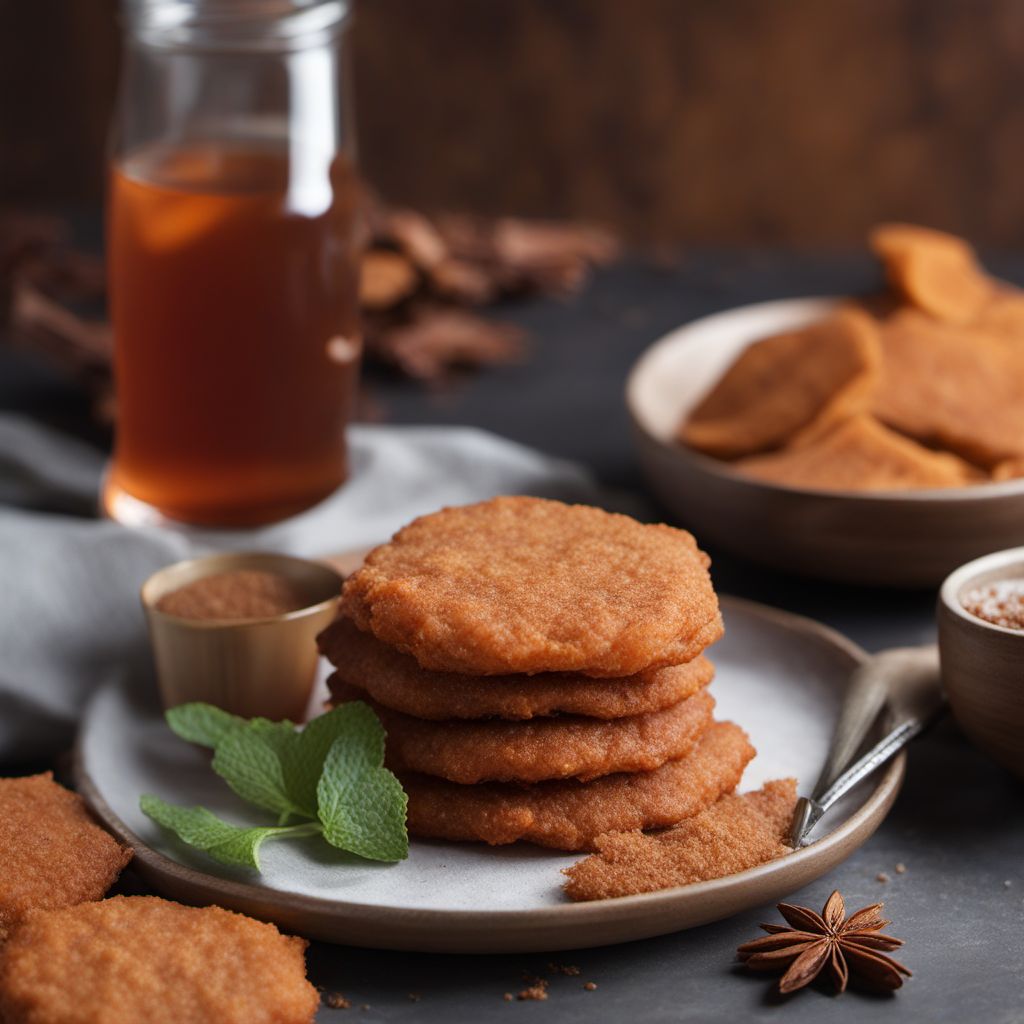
(241, 594)
(1000, 603)
(736, 833)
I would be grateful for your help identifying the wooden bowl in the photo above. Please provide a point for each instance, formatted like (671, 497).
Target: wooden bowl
(893, 538)
(982, 663)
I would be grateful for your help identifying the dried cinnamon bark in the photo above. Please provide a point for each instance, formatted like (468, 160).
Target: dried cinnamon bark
(438, 340)
(419, 275)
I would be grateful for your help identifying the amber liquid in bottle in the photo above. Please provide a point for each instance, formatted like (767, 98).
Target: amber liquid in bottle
(233, 289)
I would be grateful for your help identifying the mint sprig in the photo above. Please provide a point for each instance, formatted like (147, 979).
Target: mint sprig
(362, 807)
(230, 844)
(331, 773)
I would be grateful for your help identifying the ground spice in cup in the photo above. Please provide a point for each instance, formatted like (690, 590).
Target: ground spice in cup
(1000, 603)
(239, 594)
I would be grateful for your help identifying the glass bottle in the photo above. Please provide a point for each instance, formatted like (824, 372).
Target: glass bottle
(233, 260)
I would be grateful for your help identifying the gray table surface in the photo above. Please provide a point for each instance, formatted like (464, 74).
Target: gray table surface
(958, 825)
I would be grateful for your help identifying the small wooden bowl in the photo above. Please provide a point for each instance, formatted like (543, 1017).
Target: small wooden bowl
(982, 663)
(251, 667)
(892, 538)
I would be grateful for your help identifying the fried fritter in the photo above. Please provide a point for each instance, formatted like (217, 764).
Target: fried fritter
(139, 958)
(526, 585)
(1003, 316)
(567, 747)
(569, 815)
(938, 273)
(52, 852)
(1009, 469)
(738, 832)
(786, 383)
(397, 681)
(952, 387)
(859, 454)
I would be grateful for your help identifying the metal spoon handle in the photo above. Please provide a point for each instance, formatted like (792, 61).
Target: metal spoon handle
(908, 679)
(809, 810)
(881, 752)
(865, 698)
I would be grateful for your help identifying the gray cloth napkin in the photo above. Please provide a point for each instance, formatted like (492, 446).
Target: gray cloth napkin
(70, 617)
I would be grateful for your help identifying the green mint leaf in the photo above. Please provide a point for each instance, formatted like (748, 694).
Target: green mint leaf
(246, 752)
(303, 761)
(361, 805)
(249, 760)
(300, 762)
(301, 756)
(201, 723)
(228, 844)
(369, 819)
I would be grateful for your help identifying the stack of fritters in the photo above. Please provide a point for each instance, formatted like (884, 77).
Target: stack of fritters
(538, 668)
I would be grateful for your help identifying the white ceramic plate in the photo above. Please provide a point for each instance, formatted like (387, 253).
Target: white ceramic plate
(896, 538)
(782, 677)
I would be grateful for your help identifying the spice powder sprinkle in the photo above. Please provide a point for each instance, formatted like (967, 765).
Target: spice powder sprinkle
(240, 594)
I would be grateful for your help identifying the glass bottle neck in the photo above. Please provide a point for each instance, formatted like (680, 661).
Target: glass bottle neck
(242, 26)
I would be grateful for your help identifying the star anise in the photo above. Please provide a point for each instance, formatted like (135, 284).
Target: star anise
(844, 945)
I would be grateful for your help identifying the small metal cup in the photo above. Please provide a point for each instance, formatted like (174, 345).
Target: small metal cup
(250, 667)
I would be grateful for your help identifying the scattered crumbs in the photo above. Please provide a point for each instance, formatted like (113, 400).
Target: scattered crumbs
(569, 970)
(881, 877)
(336, 1001)
(590, 986)
(1007, 884)
(364, 1006)
(901, 868)
(415, 997)
(507, 997)
(537, 991)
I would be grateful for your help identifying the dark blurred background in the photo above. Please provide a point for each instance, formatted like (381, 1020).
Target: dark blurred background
(731, 121)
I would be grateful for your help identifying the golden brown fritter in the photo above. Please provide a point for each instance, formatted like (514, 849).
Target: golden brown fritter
(1009, 469)
(786, 383)
(859, 454)
(952, 387)
(138, 958)
(736, 833)
(569, 815)
(1003, 316)
(938, 273)
(525, 585)
(52, 853)
(949, 374)
(567, 747)
(397, 681)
